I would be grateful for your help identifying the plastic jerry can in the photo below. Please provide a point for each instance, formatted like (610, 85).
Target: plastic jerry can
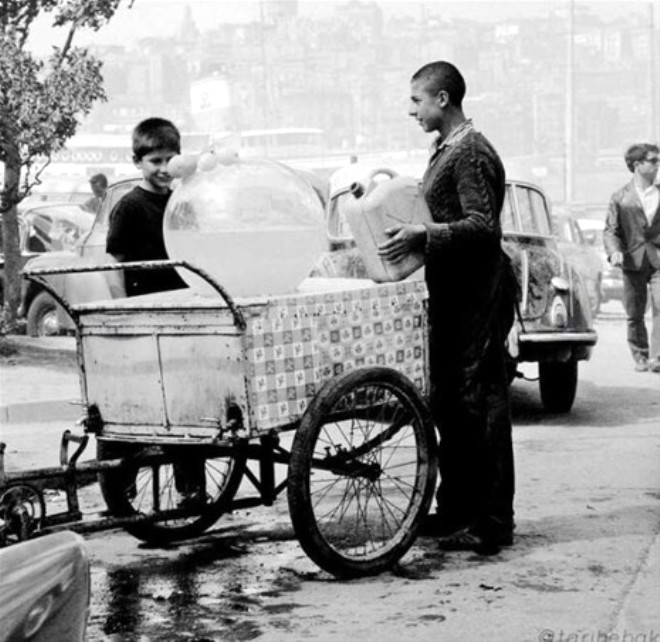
(377, 206)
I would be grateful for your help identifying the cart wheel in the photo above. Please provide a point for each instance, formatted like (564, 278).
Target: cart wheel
(22, 511)
(362, 472)
(148, 489)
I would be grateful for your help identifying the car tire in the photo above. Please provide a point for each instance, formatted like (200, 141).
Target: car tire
(558, 385)
(42, 316)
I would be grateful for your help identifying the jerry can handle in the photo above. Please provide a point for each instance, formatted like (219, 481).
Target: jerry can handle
(358, 189)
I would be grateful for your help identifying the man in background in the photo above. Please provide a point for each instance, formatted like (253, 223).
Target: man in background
(99, 185)
(632, 242)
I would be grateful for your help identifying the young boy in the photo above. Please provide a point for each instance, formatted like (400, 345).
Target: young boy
(135, 231)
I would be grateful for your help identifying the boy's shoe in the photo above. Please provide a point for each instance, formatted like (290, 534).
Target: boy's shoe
(436, 524)
(468, 540)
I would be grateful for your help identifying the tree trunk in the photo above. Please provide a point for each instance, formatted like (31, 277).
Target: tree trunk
(11, 242)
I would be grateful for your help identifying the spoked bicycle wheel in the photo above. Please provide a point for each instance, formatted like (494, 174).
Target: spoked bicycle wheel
(362, 472)
(201, 486)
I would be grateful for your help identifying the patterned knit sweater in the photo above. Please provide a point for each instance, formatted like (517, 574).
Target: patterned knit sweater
(464, 187)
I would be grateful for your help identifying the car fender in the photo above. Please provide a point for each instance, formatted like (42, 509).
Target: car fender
(76, 288)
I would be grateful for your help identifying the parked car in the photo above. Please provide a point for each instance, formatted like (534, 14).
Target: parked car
(54, 227)
(43, 314)
(591, 219)
(554, 328)
(57, 190)
(47, 228)
(45, 589)
(612, 283)
(580, 251)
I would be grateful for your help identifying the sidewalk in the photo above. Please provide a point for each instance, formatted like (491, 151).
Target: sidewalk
(39, 381)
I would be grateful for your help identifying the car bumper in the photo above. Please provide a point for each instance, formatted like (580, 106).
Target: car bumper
(556, 346)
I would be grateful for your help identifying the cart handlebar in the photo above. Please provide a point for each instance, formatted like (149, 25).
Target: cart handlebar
(37, 275)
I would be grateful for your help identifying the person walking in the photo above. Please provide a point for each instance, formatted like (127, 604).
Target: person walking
(632, 242)
(472, 292)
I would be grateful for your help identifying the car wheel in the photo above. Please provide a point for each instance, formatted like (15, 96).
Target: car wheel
(558, 385)
(42, 317)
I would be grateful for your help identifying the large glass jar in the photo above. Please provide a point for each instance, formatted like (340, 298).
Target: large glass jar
(256, 226)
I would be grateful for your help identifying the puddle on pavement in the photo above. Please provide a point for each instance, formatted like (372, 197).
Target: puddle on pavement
(206, 592)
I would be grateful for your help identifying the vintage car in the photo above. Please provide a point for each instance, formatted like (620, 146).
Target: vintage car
(43, 315)
(45, 589)
(57, 190)
(612, 285)
(49, 227)
(580, 251)
(553, 325)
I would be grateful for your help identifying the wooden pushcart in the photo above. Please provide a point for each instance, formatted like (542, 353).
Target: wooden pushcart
(189, 397)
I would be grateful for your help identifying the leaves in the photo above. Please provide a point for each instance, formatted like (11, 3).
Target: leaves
(41, 101)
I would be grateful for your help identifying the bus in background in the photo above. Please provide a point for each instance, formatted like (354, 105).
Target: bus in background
(278, 144)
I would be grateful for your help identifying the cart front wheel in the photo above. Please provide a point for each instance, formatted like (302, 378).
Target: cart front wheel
(362, 472)
(203, 487)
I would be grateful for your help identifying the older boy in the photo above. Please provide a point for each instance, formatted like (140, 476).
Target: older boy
(136, 223)
(468, 274)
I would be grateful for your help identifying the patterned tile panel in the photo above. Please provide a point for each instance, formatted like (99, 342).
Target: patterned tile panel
(295, 344)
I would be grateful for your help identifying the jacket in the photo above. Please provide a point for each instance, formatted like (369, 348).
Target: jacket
(627, 229)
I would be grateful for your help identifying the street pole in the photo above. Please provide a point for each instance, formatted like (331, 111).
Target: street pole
(569, 115)
(654, 70)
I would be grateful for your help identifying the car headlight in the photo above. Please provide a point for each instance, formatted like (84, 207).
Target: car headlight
(37, 615)
(559, 284)
(558, 313)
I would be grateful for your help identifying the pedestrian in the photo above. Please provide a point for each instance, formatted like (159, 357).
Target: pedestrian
(470, 310)
(632, 242)
(99, 185)
(135, 231)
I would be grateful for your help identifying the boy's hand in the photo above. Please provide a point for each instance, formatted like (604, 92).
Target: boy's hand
(404, 239)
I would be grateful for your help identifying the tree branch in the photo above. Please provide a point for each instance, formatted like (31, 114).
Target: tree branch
(68, 42)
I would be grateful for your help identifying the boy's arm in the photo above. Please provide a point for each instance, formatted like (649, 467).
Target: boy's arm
(119, 232)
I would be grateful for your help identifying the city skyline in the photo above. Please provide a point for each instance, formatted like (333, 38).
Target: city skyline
(160, 18)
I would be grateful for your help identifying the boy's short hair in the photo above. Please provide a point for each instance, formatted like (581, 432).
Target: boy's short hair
(637, 153)
(442, 76)
(155, 134)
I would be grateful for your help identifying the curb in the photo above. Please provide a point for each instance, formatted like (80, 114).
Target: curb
(41, 411)
(64, 345)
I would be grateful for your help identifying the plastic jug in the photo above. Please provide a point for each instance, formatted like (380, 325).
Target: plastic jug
(372, 208)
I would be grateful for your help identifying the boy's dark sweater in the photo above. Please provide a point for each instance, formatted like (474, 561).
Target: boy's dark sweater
(136, 233)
